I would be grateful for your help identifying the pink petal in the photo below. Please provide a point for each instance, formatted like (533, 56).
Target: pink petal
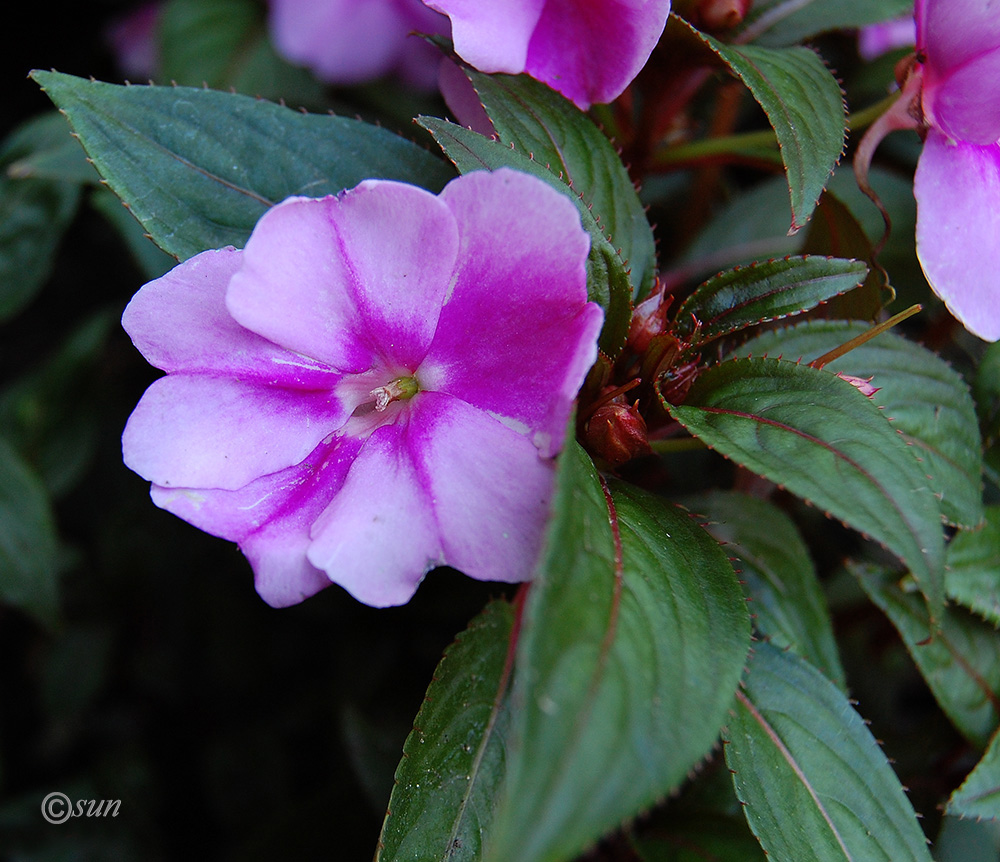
(294, 285)
(378, 538)
(490, 487)
(952, 32)
(878, 39)
(401, 242)
(324, 277)
(492, 35)
(517, 335)
(179, 322)
(462, 99)
(325, 35)
(271, 518)
(590, 51)
(957, 187)
(965, 104)
(195, 431)
(132, 39)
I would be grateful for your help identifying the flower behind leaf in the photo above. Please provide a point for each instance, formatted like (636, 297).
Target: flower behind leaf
(374, 386)
(588, 50)
(350, 42)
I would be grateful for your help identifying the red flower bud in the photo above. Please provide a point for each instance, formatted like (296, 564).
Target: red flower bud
(617, 433)
(717, 15)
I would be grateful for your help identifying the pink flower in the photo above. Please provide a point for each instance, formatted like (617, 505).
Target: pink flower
(374, 386)
(588, 50)
(132, 39)
(350, 42)
(951, 96)
(878, 39)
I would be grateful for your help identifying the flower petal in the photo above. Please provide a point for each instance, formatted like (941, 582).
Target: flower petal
(571, 34)
(402, 243)
(952, 32)
(492, 35)
(957, 187)
(965, 104)
(325, 34)
(491, 489)
(211, 432)
(517, 335)
(271, 519)
(874, 40)
(179, 322)
(294, 285)
(378, 537)
(330, 279)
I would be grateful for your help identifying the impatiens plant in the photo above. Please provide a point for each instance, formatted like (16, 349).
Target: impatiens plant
(612, 367)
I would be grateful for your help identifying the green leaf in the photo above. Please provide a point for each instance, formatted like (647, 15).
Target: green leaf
(558, 135)
(817, 435)
(198, 167)
(152, 260)
(632, 642)
(973, 575)
(34, 214)
(785, 22)
(51, 414)
(805, 107)
(48, 151)
(453, 761)
(928, 402)
(751, 225)
(966, 840)
(28, 542)
(769, 290)
(979, 795)
(787, 601)
(986, 388)
(835, 231)
(607, 279)
(961, 662)
(704, 821)
(814, 783)
(223, 44)
(720, 839)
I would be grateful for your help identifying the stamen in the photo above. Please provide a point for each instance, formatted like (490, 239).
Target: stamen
(401, 389)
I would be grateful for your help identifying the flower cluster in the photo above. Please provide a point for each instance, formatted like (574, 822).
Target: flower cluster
(374, 386)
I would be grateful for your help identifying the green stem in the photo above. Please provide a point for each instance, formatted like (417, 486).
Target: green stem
(760, 145)
(676, 444)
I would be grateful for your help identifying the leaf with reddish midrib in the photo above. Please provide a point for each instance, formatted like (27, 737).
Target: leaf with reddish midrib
(442, 803)
(558, 135)
(633, 638)
(769, 290)
(813, 782)
(961, 662)
(817, 435)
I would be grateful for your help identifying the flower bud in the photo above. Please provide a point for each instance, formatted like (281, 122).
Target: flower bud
(617, 433)
(718, 15)
(648, 319)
